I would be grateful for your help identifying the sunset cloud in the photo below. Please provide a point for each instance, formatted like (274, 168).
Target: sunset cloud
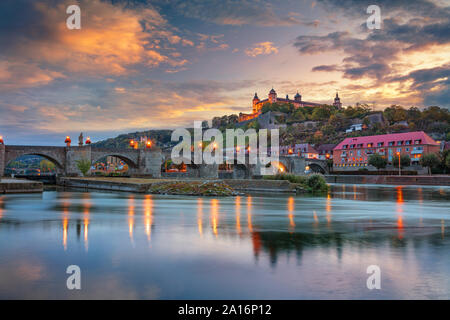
(262, 48)
(163, 64)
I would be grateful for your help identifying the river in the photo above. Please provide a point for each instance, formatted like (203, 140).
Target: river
(136, 246)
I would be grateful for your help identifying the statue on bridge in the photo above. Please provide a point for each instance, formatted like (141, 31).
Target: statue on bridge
(80, 139)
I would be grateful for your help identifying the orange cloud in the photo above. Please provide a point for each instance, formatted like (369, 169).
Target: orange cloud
(113, 39)
(262, 48)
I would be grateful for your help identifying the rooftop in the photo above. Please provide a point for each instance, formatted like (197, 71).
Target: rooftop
(386, 138)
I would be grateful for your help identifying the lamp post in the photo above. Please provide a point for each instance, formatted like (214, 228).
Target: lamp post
(399, 168)
(1, 140)
(67, 141)
(148, 145)
(88, 140)
(132, 144)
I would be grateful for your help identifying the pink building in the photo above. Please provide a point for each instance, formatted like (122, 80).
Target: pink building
(355, 152)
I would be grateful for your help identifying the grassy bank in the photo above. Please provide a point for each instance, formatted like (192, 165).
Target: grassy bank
(193, 188)
(314, 183)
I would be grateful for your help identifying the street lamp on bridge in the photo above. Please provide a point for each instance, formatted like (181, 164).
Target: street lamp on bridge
(67, 141)
(1, 140)
(148, 144)
(88, 140)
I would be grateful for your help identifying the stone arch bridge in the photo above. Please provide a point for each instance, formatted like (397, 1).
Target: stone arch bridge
(144, 162)
(290, 164)
(141, 162)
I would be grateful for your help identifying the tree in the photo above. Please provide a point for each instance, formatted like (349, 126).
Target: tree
(405, 161)
(429, 160)
(444, 157)
(447, 161)
(46, 165)
(84, 165)
(322, 113)
(377, 161)
(395, 113)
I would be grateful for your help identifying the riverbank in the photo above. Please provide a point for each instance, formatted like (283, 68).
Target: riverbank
(171, 186)
(431, 180)
(8, 185)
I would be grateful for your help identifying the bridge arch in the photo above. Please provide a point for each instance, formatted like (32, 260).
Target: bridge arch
(55, 161)
(130, 162)
(315, 167)
(55, 155)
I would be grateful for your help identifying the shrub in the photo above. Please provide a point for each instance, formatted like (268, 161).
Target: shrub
(405, 161)
(287, 176)
(429, 160)
(84, 165)
(377, 161)
(312, 183)
(317, 183)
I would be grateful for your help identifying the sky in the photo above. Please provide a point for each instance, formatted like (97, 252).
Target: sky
(140, 65)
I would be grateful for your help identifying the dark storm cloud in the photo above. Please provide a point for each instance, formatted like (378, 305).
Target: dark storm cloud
(421, 8)
(236, 12)
(428, 78)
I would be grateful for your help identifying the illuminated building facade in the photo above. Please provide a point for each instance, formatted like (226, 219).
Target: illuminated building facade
(297, 102)
(355, 152)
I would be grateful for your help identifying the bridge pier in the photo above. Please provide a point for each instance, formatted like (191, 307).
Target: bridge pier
(149, 163)
(73, 155)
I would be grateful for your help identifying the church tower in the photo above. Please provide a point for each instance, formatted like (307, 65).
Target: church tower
(255, 103)
(337, 101)
(272, 96)
(298, 97)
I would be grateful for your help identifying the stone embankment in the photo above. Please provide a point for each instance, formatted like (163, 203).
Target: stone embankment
(226, 187)
(430, 180)
(8, 185)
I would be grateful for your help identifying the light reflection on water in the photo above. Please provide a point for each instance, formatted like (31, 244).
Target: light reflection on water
(259, 246)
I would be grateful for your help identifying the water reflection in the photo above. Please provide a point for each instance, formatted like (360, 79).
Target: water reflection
(290, 207)
(214, 215)
(131, 218)
(200, 216)
(1, 207)
(389, 226)
(238, 215)
(148, 215)
(249, 214)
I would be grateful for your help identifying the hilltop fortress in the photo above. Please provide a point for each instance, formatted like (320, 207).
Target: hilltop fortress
(272, 98)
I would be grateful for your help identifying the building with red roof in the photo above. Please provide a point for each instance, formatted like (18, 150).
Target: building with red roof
(297, 102)
(355, 152)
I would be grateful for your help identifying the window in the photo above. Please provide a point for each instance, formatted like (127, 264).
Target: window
(399, 143)
(344, 146)
(408, 142)
(407, 149)
(380, 144)
(369, 145)
(352, 146)
(419, 141)
(391, 143)
(399, 149)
